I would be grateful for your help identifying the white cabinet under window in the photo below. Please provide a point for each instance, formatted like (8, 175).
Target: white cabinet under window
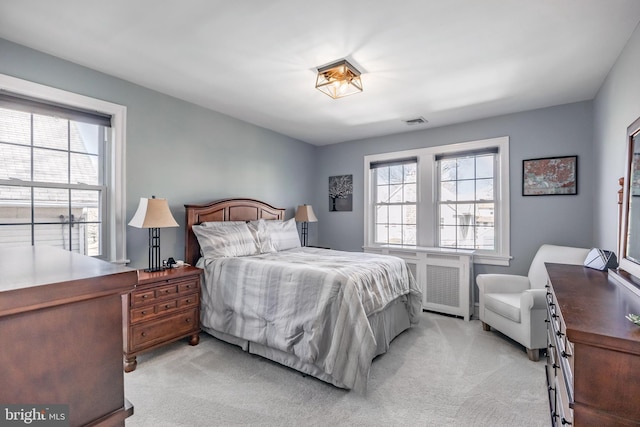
(444, 275)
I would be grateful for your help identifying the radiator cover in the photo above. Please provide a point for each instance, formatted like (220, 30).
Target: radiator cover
(444, 275)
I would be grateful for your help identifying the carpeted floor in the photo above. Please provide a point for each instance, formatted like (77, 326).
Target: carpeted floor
(444, 372)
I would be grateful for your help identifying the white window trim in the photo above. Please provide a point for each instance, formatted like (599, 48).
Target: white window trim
(116, 210)
(426, 168)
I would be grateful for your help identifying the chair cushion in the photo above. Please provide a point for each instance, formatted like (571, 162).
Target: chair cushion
(506, 305)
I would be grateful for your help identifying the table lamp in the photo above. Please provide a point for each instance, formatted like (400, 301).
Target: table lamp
(153, 214)
(305, 215)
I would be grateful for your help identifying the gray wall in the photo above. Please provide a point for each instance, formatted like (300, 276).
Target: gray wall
(616, 106)
(178, 150)
(555, 131)
(189, 154)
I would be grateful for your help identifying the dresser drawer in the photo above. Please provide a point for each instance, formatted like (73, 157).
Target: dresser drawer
(564, 413)
(551, 389)
(150, 333)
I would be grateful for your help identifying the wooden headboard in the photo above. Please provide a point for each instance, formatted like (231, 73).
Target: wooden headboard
(223, 210)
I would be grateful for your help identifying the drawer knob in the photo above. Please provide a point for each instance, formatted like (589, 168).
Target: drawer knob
(188, 286)
(188, 320)
(144, 334)
(143, 312)
(188, 301)
(145, 296)
(167, 306)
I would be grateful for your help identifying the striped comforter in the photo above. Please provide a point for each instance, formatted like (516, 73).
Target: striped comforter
(310, 302)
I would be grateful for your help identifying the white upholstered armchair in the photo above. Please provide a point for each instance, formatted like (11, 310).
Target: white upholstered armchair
(515, 305)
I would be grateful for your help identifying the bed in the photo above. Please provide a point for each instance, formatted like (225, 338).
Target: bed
(322, 312)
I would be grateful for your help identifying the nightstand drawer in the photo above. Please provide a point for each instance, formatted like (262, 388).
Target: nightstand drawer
(189, 300)
(166, 291)
(189, 286)
(150, 333)
(143, 313)
(166, 306)
(142, 297)
(163, 307)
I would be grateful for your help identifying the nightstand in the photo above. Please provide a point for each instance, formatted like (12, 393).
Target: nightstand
(163, 307)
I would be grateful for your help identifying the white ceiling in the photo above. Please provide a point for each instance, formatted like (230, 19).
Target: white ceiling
(449, 61)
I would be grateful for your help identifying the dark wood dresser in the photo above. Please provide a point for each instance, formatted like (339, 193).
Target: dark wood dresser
(61, 332)
(593, 358)
(164, 307)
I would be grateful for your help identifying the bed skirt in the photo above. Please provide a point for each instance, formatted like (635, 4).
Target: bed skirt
(386, 325)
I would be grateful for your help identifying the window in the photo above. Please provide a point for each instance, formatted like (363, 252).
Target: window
(60, 165)
(395, 188)
(466, 203)
(452, 196)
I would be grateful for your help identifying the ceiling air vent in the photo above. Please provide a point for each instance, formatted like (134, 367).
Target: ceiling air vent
(416, 121)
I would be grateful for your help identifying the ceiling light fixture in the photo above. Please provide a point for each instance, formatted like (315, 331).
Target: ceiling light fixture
(339, 79)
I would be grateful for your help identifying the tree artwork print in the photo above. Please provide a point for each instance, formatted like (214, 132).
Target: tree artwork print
(340, 193)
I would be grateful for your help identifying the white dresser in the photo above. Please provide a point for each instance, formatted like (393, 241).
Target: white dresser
(444, 275)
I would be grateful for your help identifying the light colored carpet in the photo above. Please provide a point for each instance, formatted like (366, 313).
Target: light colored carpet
(444, 372)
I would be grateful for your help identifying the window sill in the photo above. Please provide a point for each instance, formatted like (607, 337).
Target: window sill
(485, 259)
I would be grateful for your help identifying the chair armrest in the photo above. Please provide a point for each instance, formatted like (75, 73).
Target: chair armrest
(502, 283)
(533, 299)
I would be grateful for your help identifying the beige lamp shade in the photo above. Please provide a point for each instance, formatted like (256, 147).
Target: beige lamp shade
(305, 214)
(153, 213)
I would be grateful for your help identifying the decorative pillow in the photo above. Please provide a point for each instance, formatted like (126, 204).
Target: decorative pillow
(261, 235)
(284, 234)
(225, 239)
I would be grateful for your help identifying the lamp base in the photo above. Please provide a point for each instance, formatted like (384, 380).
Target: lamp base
(154, 269)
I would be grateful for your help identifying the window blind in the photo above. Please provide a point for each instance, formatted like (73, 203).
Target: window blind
(458, 154)
(32, 105)
(395, 162)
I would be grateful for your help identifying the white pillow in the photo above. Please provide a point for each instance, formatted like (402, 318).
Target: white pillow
(261, 235)
(225, 239)
(284, 234)
(221, 223)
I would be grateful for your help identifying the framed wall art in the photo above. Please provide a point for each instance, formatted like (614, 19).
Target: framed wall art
(550, 176)
(340, 193)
